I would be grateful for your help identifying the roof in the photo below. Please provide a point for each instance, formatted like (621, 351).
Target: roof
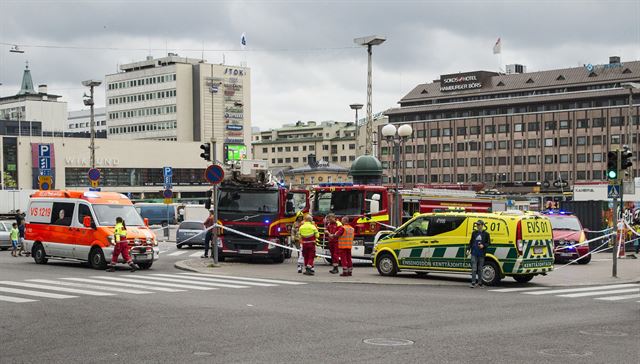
(534, 80)
(27, 83)
(94, 197)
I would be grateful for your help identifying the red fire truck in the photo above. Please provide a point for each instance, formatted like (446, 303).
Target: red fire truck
(251, 203)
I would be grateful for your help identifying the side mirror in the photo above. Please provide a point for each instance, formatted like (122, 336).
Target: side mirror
(86, 221)
(146, 221)
(374, 206)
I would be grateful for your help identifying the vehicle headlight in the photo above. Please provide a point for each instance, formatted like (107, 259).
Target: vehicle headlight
(111, 240)
(136, 241)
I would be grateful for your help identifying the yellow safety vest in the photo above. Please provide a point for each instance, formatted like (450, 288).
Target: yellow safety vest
(119, 231)
(309, 232)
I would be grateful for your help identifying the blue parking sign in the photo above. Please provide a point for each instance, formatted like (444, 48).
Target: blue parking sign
(167, 171)
(44, 150)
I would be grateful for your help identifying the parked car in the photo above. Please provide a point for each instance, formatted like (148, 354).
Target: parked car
(190, 233)
(5, 228)
(568, 234)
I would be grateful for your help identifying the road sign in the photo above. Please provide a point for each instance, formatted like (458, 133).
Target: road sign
(214, 174)
(613, 191)
(168, 201)
(167, 182)
(44, 172)
(44, 150)
(167, 194)
(95, 184)
(45, 183)
(93, 174)
(167, 171)
(94, 189)
(44, 162)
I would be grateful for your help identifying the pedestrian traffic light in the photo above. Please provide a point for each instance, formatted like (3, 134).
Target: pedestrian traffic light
(625, 158)
(612, 164)
(206, 151)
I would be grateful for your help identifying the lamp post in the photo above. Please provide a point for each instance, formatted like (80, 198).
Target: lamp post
(357, 107)
(369, 42)
(88, 101)
(397, 138)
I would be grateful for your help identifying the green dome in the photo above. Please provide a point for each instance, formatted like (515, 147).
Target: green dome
(366, 165)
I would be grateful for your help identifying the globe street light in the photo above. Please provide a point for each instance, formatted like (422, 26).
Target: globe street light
(397, 138)
(369, 42)
(357, 107)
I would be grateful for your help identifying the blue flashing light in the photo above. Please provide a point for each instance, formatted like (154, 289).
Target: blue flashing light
(267, 221)
(557, 212)
(336, 184)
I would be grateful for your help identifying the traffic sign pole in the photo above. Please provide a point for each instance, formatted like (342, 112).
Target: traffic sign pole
(214, 174)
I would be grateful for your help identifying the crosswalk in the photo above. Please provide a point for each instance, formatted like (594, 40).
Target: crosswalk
(609, 293)
(34, 290)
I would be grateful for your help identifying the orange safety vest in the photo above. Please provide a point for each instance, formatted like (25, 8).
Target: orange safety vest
(345, 241)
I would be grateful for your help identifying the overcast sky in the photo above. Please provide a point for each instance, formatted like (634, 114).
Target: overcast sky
(304, 63)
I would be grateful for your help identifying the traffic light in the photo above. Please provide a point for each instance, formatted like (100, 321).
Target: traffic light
(206, 151)
(612, 164)
(625, 158)
(207, 202)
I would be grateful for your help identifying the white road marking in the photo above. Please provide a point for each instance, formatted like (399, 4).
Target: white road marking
(618, 298)
(195, 255)
(140, 279)
(584, 289)
(35, 293)
(124, 284)
(207, 279)
(601, 293)
(53, 288)
(90, 286)
(175, 254)
(521, 289)
(15, 299)
(245, 278)
(190, 281)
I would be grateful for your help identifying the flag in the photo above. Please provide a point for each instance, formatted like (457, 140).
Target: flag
(243, 40)
(497, 48)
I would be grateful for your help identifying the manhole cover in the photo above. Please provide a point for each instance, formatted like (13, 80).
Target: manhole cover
(566, 353)
(604, 333)
(387, 342)
(201, 353)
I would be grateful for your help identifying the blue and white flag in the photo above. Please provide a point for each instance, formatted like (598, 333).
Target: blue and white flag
(243, 41)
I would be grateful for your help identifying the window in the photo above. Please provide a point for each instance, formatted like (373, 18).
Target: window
(532, 176)
(435, 148)
(312, 148)
(446, 147)
(564, 158)
(564, 142)
(434, 178)
(279, 149)
(434, 163)
(548, 142)
(502, 161)
(617, 121)
(296, 159)
(518, 127)
(473, 162)
(615, 139)
(597, 174)
(581, 140)
(581, 158)
(532, 143)
(460, 162)
(596, 140)
(517, 144)
(435, 133)
(460, 147)
(421, 163)
(444, 224)
(84, 210)
(596, 157)
(343, 158)
(461, 130)
(474, 130)
(352, 146)
(517, 176)
(533, 126)
(334, 158)
(325, 147)
(488, 145)
(446, 132)
(418, 227)
(421, 148)
(550, 125)
(295, 148)
(489, 129)
(62, 213)
(517, 160)
(548, 159)
(420, 133)
(598, 122)
(287, 160)
(532, 159)
(280, 161)
(565, 124)
(582, 124)
(446, 163)
(581, 175)
(488, 161)
(503, 128)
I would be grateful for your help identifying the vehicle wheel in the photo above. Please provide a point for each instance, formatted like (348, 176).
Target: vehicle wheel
(585, 260)
(422, 274)
(491, 273)
(96, 259)
(523, 278)
(179, 246)
(145, 265)
(39, 255)
(386, 265)
(279, 259)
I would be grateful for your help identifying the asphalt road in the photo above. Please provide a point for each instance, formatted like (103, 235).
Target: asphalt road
(310, 323)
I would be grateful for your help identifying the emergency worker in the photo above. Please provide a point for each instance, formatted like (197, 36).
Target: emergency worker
(331, 227)
(345, 236)
(308, 235)
(296, 238)
(122, 246)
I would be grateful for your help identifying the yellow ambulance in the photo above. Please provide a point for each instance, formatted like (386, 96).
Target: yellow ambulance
(521, 245)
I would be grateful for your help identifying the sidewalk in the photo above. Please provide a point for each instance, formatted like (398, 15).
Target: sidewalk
(597, 272)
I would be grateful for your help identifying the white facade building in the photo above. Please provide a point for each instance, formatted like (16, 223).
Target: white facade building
(79, 121)
(180, 99)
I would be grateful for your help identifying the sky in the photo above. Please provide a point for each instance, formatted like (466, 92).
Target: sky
(304, 63)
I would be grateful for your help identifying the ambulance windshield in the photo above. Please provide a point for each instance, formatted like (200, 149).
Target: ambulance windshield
(107, 214)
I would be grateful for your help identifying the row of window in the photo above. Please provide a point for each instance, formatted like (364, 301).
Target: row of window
(86, 125)
(135, 177)
(147, 111)
(501, 177)
(139, 128)
(296, 148)
(165, 94)
(141, 81)
(342, 158)
(531, 126)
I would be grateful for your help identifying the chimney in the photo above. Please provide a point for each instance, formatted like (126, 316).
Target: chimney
(614, 60)
(42, 90)
(311, 160)
(149, 58)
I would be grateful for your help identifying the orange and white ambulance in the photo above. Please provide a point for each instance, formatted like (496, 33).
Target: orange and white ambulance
(79, 225)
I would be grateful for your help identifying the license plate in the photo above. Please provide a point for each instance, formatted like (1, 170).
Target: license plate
(245, 251)
(537, 249)
(566, 254)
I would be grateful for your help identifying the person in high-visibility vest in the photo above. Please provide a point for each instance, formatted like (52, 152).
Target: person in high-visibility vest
(121, 246)
(308, 235)
(331, 227)
(345, 236)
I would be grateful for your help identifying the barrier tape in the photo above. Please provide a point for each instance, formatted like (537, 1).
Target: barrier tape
(586, 241)
(631, 228)
(596, 250)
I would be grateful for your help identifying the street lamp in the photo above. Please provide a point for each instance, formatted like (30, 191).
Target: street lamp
(397, 138)
(369, 42)
(88, 101)
(357, 107)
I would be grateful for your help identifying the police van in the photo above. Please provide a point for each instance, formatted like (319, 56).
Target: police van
(521, 245)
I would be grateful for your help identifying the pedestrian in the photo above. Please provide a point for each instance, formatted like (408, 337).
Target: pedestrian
(308, 235)
(478, 244)
(21, 230)
(122, 246)
(331, 226)
(208, 236)
(296, 239)
(345, 242)
(19, 216)
(14, 235)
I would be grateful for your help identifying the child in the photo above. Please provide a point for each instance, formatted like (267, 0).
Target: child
(14, 235)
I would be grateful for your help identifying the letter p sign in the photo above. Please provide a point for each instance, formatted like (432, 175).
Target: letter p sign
(44, 150)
